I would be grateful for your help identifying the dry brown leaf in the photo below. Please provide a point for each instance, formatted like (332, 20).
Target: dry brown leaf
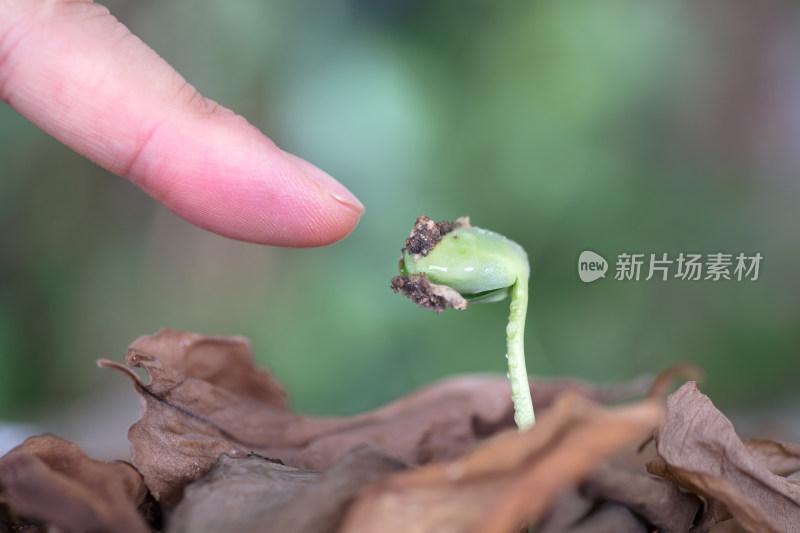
(780, 458)
(53, 482)
(187, 422)
(567, 509)
(238, 494)
(251, 494)
(507, 480)
(659, 502)
(729, 526)
(206, 398)
(701, 452)
(610, 517)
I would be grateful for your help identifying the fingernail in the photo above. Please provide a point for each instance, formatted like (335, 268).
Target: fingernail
(336, 189)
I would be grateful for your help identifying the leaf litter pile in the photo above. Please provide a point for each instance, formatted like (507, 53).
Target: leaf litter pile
(216, 450)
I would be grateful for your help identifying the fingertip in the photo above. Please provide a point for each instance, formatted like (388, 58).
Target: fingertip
(222, 174)
(327, 182)
(334, 221)
(120, 104)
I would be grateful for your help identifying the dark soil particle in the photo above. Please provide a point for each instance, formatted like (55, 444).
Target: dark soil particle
(418, 290)
(426, 234)
(422, 292)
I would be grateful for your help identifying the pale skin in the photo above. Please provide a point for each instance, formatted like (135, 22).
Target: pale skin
(81, 76)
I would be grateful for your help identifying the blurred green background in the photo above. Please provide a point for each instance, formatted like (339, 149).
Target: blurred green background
(615, 126)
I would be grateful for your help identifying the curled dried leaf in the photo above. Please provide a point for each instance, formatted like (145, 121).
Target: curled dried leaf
(201, 388)
(52, 482)
(569, 507)
(249, 494)
(206, 398)
(193, 413)
(781, 458)
(508, 480)
(610, 517)
(660, 503)
(701, 452)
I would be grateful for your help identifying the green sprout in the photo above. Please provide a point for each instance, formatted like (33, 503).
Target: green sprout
(450, 264)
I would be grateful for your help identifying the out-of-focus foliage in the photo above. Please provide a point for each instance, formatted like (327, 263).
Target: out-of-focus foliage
(614, 126)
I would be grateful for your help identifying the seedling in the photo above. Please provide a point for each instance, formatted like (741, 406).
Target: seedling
(450, 264)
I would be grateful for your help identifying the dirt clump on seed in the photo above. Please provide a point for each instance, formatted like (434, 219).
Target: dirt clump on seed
(419, 289)
(427, 233)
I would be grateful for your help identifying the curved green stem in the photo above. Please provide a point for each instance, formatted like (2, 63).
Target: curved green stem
(517, 373)
(449, 264)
